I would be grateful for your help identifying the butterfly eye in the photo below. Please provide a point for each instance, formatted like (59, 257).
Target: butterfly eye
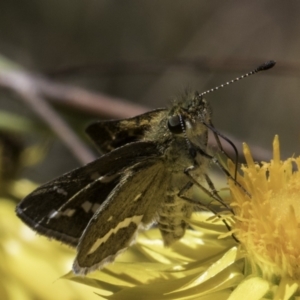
(176, 124)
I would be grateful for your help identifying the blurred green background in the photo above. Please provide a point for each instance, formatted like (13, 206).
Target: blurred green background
(149, 52)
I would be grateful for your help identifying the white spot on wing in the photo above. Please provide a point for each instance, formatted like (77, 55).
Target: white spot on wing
(110, 218)
(95, 207)
(69, 212)
(86, 206)
(60, 191)
(107, 179)
(122, 224)
(137, 197)
(54, 214)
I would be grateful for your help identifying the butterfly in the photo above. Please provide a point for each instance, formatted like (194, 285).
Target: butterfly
(149, 164)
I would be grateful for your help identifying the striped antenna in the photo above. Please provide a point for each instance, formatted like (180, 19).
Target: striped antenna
(266, 66)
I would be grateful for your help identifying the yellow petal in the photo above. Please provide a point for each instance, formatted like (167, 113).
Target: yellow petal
(253, 288)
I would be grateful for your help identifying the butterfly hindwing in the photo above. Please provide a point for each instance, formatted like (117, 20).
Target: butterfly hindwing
(130, 206)
(109, 135)
(62, 208)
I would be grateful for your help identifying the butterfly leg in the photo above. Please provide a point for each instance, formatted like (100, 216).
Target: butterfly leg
(216, 162)
(195, 202)
(213, 193)
(182, 193)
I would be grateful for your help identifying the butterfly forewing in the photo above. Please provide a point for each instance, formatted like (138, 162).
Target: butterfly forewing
(109, 135)
(62, 208)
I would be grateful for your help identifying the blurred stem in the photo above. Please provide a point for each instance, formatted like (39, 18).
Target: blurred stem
(23, 85)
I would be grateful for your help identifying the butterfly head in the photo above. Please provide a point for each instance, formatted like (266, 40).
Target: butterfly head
(189, 117)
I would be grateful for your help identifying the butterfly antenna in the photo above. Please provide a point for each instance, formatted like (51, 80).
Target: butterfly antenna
(218, 134)
(266, 66)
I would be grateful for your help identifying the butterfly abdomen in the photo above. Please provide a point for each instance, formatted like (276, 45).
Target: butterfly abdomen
(172, 219)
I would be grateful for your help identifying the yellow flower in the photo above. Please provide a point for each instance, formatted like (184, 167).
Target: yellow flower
(263, 265)
(266, 202)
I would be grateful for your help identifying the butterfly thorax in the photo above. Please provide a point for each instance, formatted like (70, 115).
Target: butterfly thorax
(175, 145)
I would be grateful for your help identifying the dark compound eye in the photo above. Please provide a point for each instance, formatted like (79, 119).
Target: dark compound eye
(176, 124)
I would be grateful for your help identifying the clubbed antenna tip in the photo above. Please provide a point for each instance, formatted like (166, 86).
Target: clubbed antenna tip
(266, 66)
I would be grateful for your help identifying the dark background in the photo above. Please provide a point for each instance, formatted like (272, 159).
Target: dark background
(149, 52)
